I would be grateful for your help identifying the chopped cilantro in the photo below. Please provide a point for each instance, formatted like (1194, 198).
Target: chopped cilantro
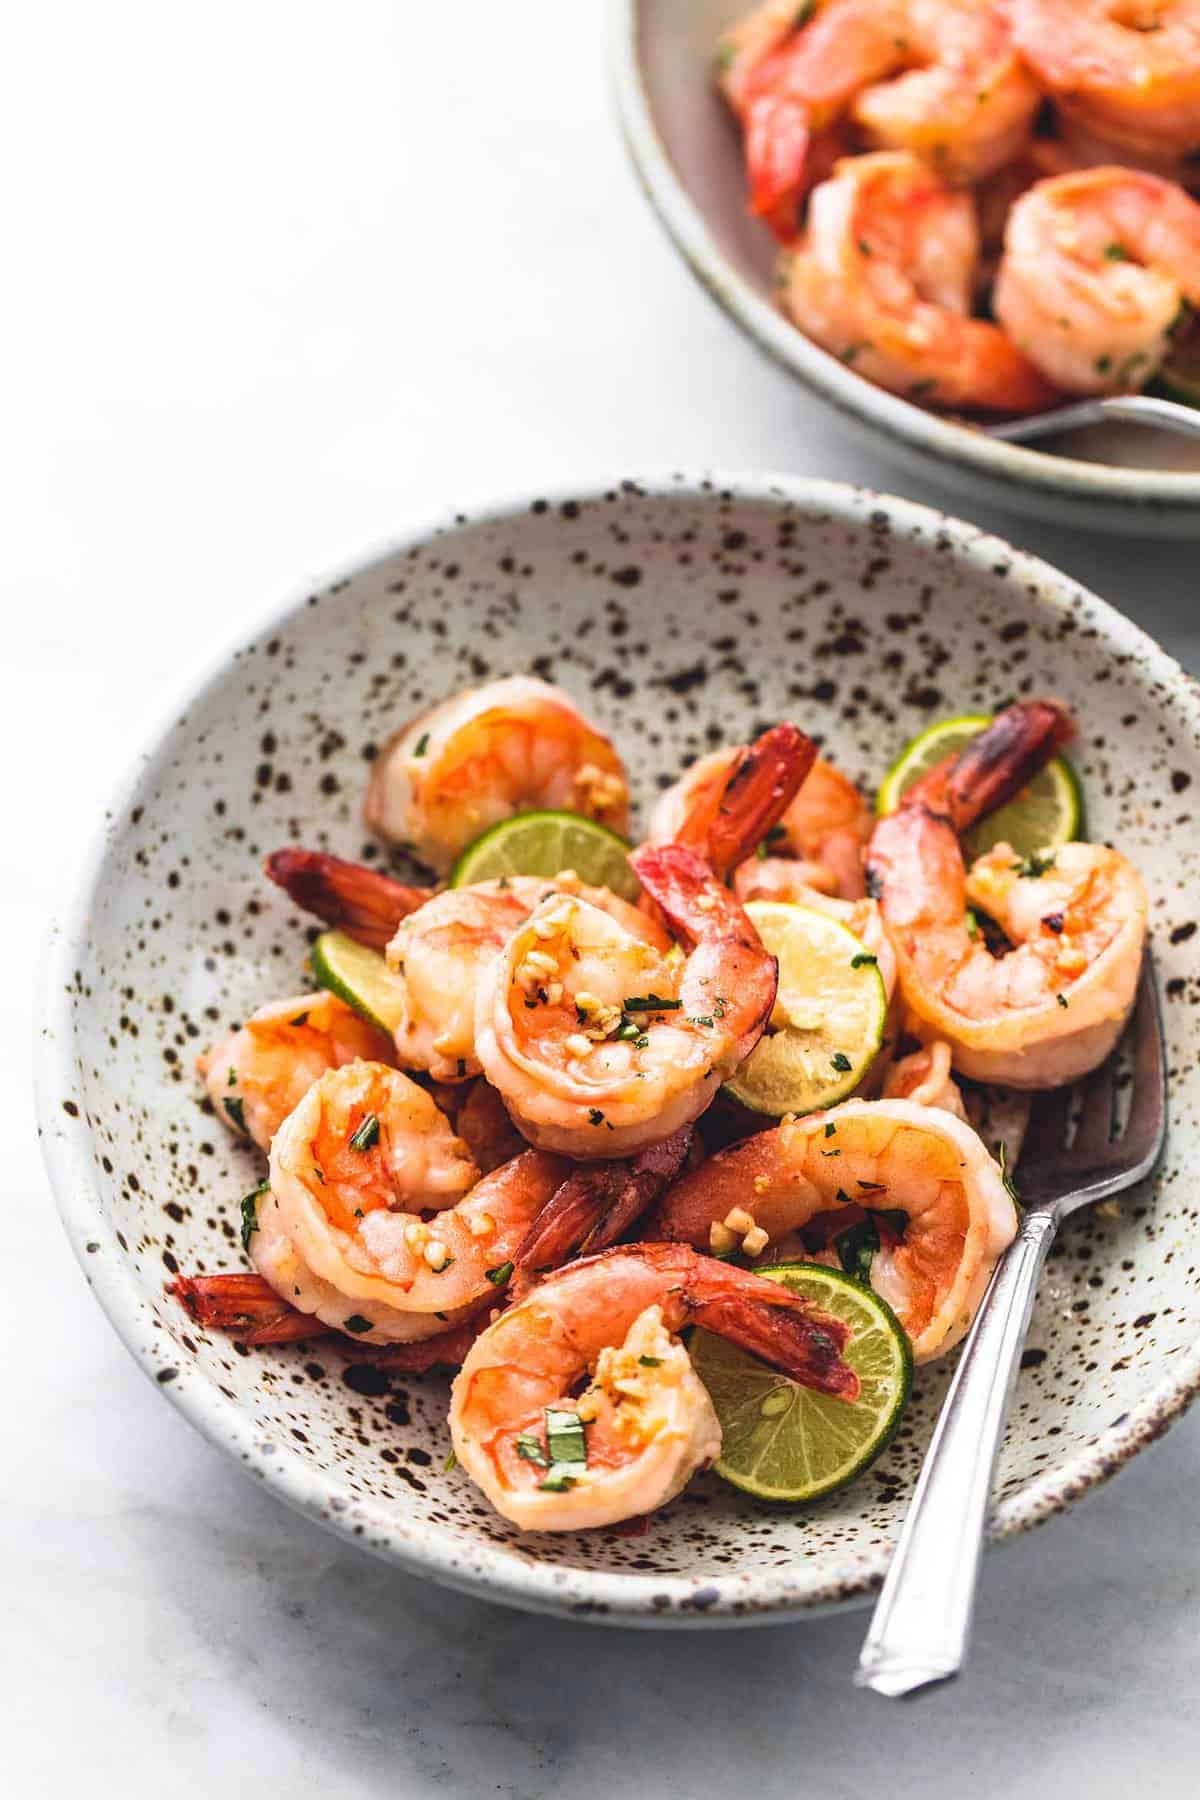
(864, 960)
(650, 1362)
(422, 744)
(500, 1274)
(356, 1323)
(595, 1116)
(529, 1449)
(841, 1062)
(1116, 253)
(250, 1212)
(830, 1129)
(1006, 1178)
(560, 1478)
(703, 1020)
(451, 1462)
(650, 1003)
(236, 1110)
(972, 925)
(1036, 865)
(367, 1133)
(628, 1030)
(1062, 999)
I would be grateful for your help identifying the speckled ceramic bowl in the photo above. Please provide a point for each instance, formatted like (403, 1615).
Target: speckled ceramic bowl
(683, 613)
(686, 150)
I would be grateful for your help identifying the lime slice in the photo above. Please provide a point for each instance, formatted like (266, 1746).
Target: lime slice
(827, 1025)
(782, 1441)
(1047, 813)
(360, 977)
(546, 843)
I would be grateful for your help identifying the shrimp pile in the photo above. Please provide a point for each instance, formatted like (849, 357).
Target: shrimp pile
(983, 204)
(525, 1177)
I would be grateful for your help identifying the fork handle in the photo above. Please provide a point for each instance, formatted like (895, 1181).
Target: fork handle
(922, 1619)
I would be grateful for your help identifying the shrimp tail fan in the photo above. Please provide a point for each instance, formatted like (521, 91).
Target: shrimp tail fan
(246, 1306)
(365, 904)
(804, 1344)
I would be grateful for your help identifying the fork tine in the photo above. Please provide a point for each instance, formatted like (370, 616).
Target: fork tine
(1047, 1129)
(1093, 1134)
(1148, 1107)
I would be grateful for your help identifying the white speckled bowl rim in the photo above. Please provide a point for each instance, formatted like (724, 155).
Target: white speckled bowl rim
(449, 1556)
(1166, 497)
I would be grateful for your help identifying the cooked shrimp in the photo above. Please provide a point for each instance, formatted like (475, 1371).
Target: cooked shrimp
(445, 950)
(1126, 70)
(825, 826)
(481, 1120)
(629, 1043)
(591, 1209)
(726, 803)
(960, 99)
(1095, 269)
(884, 279)
(438, 947)
(1052, 1008)
(924, 1078)
(513, 746)
(340, 1232)
(644, 1422)
(256, 1075)
(872, 1159)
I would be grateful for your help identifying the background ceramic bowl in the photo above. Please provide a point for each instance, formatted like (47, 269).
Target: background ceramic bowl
(683, 614)
(686, 148)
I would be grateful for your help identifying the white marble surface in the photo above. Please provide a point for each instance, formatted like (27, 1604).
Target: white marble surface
(279, 275)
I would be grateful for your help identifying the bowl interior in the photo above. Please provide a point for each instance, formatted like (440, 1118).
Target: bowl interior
(682, 617)
(688, 149)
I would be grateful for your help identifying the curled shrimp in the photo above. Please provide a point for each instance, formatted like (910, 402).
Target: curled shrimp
(918, 1175)
(824, 826)
(884, 279)
(257, 1074)
(590, 1210)
(644, 1421)
(444, 952)
(1095, 270)
(438, 948)
(1126, 71)
(514, 746)
(340, 1233)
(1052, 1008)
(924, 1078)
(938, 78)
(628, 1043)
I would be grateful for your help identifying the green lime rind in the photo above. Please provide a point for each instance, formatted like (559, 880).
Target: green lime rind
(546, 843)
(360, 977)
(829, 1018)
(1048, 813)
(783, 1442)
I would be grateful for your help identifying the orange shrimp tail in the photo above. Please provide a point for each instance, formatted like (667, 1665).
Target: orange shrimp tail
(762, 784)
(598, 1203)
(777, 143)
(246, 1306)
(996, 765)
(364, 903)
(806, 1346)
(681, 883)
(762, 1316)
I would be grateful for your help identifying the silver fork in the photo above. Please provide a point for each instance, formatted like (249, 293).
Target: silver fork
(922, 1622)
(1128, 409)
